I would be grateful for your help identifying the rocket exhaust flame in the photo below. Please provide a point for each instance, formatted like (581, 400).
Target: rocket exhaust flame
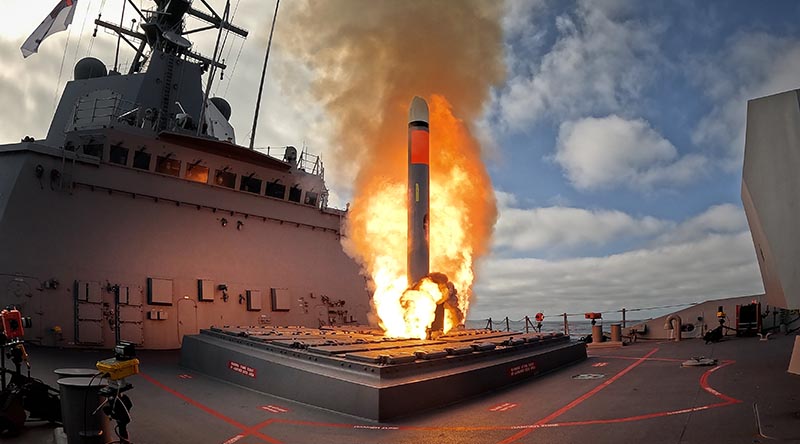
(462, 213)
(369, 59)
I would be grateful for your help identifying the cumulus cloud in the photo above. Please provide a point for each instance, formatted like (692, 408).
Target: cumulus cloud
(539, 229)
(706, 256)
(721, 219)
(601, 60)
(715, 266)
(750, 65)
(609, 151)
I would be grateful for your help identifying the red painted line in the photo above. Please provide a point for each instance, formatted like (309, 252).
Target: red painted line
(709, 389)
(579, 400)
(600, 364)
(640, 417)
(209, 410)
(704, 383)
(250, 431)
(526, 429)
(636, 358)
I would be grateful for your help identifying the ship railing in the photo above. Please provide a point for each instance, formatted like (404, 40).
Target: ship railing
(310, 163)
(579, 323)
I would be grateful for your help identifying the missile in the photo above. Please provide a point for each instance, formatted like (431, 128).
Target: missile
(418, 190)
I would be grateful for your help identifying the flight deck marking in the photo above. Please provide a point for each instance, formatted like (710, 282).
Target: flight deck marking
(579, 400)
(530, 427)
(234, 439)
(524, 428)
(600, 364)
(274, 408)
(254, 430)
(184, 376)
(503, 407)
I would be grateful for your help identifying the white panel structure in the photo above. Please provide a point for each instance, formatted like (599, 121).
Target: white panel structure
(131, 316)
(770, 192)
(281, 299)
(254, 300)
(159, 291)
(205, 290)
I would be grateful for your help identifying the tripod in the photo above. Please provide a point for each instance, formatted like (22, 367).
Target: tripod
(117, 406)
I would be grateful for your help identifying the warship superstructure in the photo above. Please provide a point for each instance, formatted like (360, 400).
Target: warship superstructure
(139, 218)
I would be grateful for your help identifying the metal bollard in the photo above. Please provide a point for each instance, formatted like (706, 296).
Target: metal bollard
(597, 334)
(616, 332)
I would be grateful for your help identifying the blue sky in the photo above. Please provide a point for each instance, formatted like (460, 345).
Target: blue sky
(614, 144)
(620, 133)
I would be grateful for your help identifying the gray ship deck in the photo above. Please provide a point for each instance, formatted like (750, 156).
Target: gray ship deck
(643, 396)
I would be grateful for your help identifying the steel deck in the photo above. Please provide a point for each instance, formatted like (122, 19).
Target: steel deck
(644, 395)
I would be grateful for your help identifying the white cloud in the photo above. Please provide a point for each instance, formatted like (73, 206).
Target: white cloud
(538, 229)
(721, 219)
(534, 231)
(706, 256)
(750, 65)
(600, 62)
(714, 266)
(610, 151)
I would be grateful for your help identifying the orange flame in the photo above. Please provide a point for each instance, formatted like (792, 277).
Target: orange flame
(368, 59)
(463, 212)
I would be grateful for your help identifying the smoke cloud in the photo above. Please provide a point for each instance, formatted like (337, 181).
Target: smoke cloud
(369, 58)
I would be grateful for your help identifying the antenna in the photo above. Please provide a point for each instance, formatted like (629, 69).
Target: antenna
(119, 37)
(212, 71)
(263, 75)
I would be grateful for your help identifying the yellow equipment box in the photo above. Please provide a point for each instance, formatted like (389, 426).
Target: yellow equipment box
(118, 369)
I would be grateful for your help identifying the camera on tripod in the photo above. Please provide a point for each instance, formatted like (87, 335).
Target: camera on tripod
(117, 405)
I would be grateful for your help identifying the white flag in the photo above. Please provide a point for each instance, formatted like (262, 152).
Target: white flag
(57, 21)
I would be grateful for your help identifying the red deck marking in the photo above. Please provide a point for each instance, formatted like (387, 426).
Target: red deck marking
(600, 364)
(274, 408)
(530, 427)
(234, 439)
(503, 407)
(578, 401)
(212, 412)
(636, 358)
(185, 376)
(706, 387)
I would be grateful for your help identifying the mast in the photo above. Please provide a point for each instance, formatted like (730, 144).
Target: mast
(119, 38)
(263, 75)
(213, 71)
(163, 30)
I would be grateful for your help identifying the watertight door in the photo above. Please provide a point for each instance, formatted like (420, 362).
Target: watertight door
(130, 314)
(187, 318)
(89, 310)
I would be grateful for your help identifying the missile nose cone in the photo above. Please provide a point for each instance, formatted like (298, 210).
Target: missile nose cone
(418, 111)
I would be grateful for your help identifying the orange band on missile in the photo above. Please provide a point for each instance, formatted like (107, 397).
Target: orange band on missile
(419, 146)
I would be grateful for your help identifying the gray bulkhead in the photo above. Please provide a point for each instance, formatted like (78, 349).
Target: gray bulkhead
(74, 225)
